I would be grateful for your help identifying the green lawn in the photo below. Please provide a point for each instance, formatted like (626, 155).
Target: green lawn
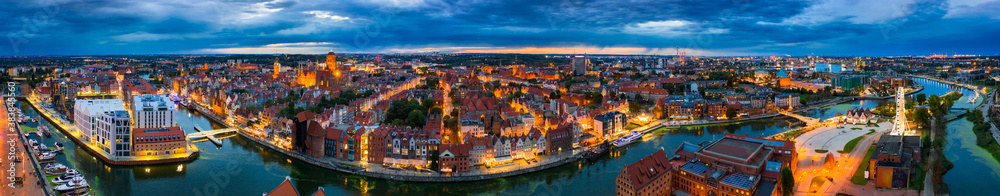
(822, 151)
(26, 128)
(631, 126)
(855, 128)
(918, 182)
(850, 145)
(870, 131)
(859, 175)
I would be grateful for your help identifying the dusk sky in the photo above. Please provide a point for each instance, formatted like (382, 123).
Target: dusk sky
(698, 27)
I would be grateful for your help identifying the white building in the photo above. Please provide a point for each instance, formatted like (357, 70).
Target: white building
(114, 132)
(86, 112)
(153, 111)
(472, 128)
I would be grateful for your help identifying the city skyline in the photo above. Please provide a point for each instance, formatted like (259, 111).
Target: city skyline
(723, 28)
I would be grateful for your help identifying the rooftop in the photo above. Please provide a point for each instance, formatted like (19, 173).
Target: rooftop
(695, 168)
(740, 180)
(742, 149)
(645, 170)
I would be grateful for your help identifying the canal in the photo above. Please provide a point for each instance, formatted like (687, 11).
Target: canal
(241, 167)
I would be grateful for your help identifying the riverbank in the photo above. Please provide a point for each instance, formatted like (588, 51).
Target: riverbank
(377, 171)
(74, 135)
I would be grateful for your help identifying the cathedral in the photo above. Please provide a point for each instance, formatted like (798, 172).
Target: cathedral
(327, 78)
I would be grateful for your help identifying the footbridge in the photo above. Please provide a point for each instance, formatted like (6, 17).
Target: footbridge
(204, 134)
(809, 120)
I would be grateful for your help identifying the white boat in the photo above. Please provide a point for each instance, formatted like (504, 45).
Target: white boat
(72, 186)
(55, 169)
(68, 176)
(628, 139)
(59, 146)
(46, 156)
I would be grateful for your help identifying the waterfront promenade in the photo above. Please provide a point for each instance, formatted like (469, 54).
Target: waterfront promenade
(378, 171)
(67, 128)
(27, 169)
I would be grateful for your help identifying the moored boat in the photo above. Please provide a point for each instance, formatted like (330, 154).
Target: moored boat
(59, 146)
(46, 156)
(72, 186)
(628, 139)
(597, 151)
(45, 131)
(55, 169)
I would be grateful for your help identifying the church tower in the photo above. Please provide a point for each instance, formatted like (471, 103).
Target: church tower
(277, 67)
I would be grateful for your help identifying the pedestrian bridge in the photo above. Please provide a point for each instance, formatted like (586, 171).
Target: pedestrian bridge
(809, 120)
(205, 134)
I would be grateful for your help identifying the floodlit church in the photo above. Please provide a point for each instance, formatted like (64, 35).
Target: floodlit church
(326, 77)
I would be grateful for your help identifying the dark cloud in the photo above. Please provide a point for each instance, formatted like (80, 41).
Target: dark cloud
(744, 26)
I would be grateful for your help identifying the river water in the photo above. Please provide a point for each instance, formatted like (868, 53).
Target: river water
(242, 167)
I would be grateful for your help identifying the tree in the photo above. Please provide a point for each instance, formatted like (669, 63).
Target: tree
(633, 107)
(416, 119)
(730, 113)
(933, 103)
(428, 103)
(921, 98)
(787, 181)
(434, 162)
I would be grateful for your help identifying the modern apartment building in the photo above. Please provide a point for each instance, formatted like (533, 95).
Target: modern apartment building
(86, 114)
(153, 111)
(114, 131)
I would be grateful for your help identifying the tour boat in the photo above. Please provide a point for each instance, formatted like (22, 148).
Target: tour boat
(72, 186)
(628, 139)
(69, 175)
(55, 169)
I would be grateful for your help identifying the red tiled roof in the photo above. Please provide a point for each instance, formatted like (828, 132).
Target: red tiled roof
(315, 129)
(305, 115)
(333, 134)
(647, 169)
(284, 189)
(459, 150)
